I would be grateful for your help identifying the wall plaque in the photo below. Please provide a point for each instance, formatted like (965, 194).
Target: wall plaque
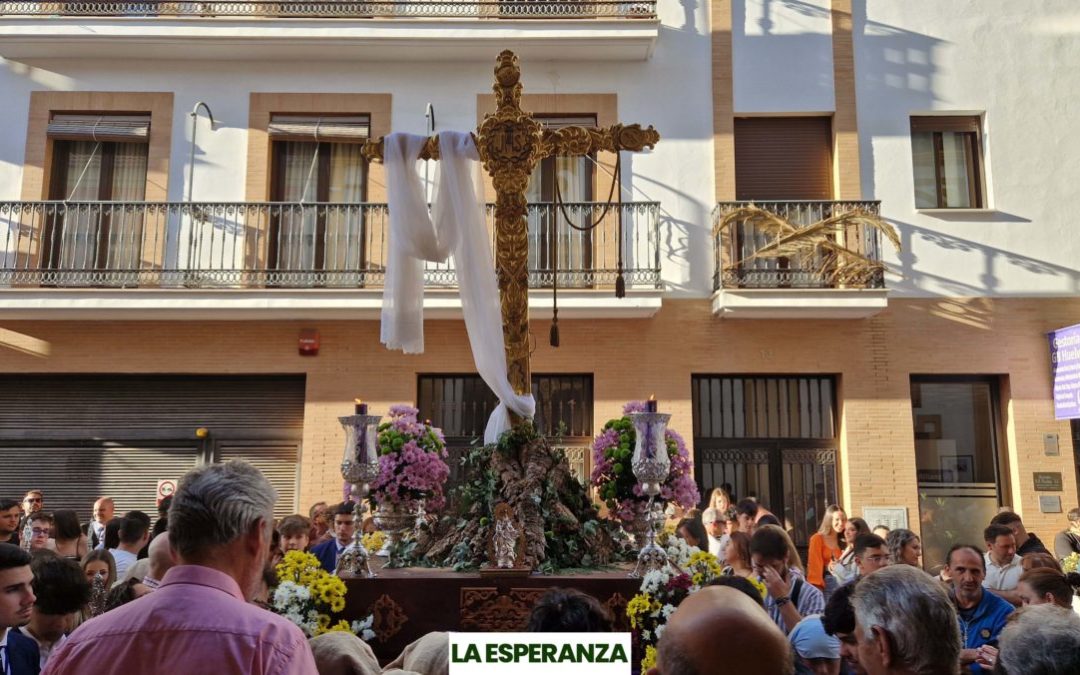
(892, 517)
(1048, 481)
(1050, 503)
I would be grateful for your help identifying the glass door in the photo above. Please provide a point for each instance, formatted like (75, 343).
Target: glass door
(956, 457)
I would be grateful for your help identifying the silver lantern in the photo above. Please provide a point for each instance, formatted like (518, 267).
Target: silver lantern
(651, 466)
(359, 467)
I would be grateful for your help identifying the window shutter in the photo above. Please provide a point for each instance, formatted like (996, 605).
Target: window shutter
(953, 123)
(783, 158)
(105, 128)
(354, 129)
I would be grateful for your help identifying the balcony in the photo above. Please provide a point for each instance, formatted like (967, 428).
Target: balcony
(749, 287)
(410, 30)
(181, 260)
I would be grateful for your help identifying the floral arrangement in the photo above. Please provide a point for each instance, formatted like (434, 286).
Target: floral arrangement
(614, 478)
(663, 590)
(307, 594)
(374, 541)
(412, 462)
(1071, 563)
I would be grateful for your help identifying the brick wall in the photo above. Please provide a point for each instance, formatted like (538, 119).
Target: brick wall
(630, 359)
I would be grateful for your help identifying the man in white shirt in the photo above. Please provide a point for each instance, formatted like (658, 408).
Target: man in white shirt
(715, 525)
(134, 534)
(1003, 568)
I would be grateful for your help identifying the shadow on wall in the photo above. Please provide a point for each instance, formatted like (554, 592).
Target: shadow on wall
(893, 64)
(971, 254)
(776, 52)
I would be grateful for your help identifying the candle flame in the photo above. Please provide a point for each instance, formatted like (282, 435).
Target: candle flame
(357, 401)
(652, 397)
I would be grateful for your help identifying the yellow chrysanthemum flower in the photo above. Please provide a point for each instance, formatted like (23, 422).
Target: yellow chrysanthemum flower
(650, 658)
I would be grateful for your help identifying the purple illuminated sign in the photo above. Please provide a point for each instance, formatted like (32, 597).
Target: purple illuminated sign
(1065, 370)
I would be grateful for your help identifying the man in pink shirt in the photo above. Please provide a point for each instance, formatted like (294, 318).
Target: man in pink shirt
(200, 620)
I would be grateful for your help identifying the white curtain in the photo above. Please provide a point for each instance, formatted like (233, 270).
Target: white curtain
(83, 229)
(296, 227)
(573, 176)
(345, 226)
(458, 227)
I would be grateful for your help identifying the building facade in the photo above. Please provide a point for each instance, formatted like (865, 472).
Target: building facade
(161, 278)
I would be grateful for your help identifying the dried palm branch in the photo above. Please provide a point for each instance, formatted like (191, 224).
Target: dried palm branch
(814, 247)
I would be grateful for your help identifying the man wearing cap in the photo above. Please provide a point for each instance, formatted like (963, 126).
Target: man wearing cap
(816, 652)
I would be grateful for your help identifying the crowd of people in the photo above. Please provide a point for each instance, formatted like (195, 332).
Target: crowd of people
(127, 594)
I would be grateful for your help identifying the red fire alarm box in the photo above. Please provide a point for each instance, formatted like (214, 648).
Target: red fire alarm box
(309, 342)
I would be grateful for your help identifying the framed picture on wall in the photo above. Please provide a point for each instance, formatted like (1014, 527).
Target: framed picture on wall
(928, 427)
(958, 468)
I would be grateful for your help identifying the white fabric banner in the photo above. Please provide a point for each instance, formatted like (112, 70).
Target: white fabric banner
(459, 227)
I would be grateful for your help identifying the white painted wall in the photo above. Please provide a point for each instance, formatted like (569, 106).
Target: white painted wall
(671, 91)
(915, 56)
(782, 56)
(1019, 63)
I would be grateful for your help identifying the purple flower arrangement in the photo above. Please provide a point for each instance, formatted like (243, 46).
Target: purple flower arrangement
(412, 461)
(613, 477)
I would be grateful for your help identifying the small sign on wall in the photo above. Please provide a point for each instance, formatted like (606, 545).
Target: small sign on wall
(165, 488)
(1048, 481)
(1050, 503)
(892, 517)
(1050, 445)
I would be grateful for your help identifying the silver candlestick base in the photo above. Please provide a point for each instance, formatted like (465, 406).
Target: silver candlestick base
(652, 556)
(355, 559)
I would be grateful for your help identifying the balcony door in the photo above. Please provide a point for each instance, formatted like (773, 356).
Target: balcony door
(553, 242)
(319, 184)
(780, 159)
(97, 161)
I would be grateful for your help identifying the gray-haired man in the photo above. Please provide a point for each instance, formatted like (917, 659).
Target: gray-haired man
(905, 624)
(200, 620)
(715, 524)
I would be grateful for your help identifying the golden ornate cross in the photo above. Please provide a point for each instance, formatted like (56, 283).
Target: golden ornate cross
(511, 142)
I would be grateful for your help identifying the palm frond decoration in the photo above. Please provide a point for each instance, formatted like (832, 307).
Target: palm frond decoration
(815, 247)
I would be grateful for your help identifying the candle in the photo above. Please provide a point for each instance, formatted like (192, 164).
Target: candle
(650, 405)
(361, 407)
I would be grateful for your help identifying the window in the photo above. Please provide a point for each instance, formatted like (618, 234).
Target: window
(461, 404)
(96, 158)
(320, 178)
(946, 152)
(575, 180)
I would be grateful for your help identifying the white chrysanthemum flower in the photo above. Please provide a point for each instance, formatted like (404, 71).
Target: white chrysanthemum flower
(666, 611)
(660, 631)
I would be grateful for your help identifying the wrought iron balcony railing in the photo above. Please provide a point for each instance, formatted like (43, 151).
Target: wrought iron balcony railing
(290, 245)
(735, 246)
(342, 9)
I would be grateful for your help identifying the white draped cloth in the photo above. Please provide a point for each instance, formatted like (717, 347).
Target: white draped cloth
(458, 229)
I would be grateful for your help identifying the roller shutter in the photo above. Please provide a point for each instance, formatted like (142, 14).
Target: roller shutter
(277, 461)
(77, 437)
(783, 158)
(355, 129)
(104, 128)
